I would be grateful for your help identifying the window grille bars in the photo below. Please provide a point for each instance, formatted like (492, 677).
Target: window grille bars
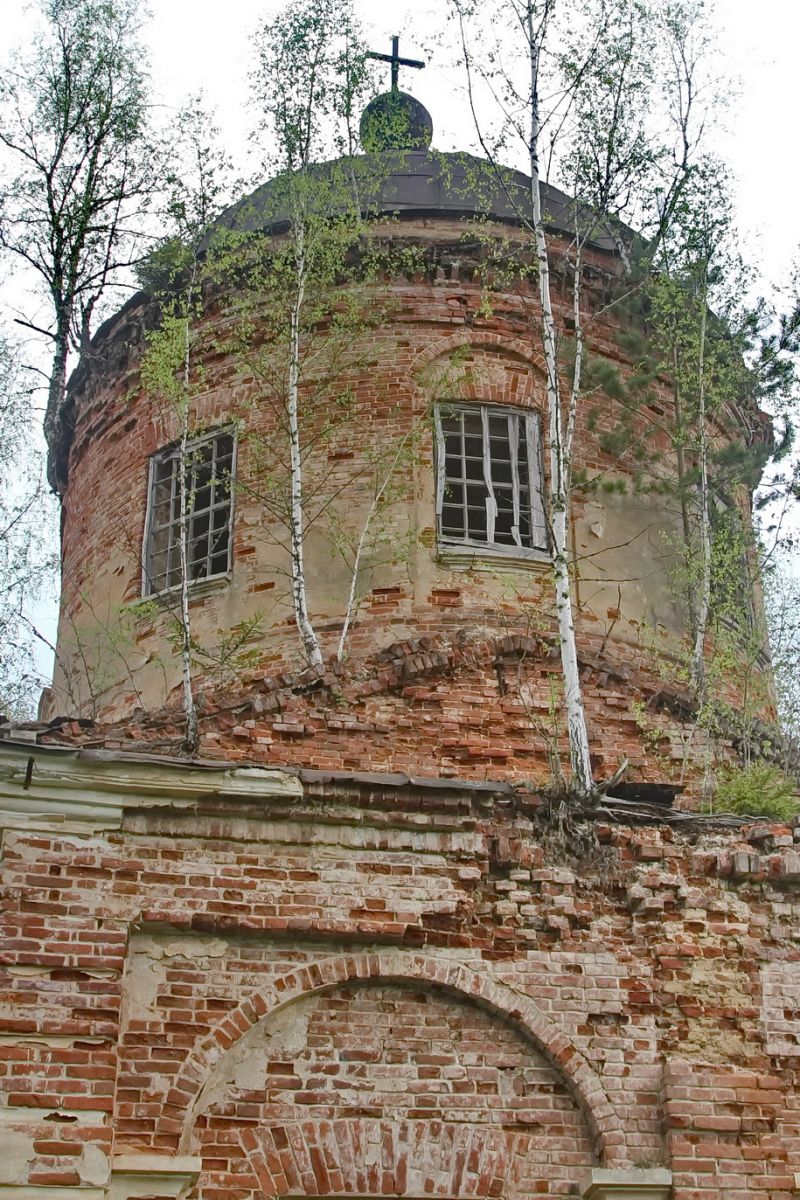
(209, 470)
(489, 478)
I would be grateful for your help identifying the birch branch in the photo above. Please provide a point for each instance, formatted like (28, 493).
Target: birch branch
(351, 599)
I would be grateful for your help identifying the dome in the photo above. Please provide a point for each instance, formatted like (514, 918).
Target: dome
(395, 121)
(415, 183)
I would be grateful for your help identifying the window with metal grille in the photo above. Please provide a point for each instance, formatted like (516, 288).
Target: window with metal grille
(489, 478)
(209, 469)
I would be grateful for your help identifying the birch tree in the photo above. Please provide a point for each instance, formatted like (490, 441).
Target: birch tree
(596, 68)
(695, 259)
(308, 282)
(74, 125)
(723, 361)
(783, 614)
(25, 563)
(171, 371)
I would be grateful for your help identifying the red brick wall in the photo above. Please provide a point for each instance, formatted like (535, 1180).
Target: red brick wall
(446, 705)
(376, 1089)
(388, 719)
(399, 990)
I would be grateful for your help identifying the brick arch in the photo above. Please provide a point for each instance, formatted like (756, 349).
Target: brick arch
(511, 347)
(371, 1157)
(450, 977)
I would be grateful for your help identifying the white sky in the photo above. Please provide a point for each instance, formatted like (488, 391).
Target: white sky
(196, 44)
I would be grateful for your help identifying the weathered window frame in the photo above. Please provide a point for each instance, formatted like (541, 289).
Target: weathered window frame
(532, 480)
(200, 567)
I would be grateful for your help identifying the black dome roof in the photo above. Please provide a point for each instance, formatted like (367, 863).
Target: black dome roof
(426, 183)
(402, 183)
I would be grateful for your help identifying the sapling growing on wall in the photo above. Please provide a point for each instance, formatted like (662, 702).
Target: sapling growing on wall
(694, 339)
(171, 369)
(310, 66)
(305, 301)
(24, 562)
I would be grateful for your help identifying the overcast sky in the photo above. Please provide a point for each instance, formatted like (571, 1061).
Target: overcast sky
(195, 44)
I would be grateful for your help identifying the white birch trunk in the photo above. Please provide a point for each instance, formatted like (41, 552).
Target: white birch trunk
(704, 598)
(559, 449)
(57, 387)
(686, 525)
(191, 735)
(307, 635)
(352, 599)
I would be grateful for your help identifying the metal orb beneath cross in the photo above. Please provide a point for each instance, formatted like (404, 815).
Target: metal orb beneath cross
(395, 121)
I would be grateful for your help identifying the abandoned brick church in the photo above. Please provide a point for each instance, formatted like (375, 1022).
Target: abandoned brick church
(340, 951)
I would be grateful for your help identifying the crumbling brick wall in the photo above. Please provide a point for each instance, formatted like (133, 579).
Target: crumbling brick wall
(440, 341)
(379, 987)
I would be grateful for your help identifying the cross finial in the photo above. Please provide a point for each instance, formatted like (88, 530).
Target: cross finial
(396, 61)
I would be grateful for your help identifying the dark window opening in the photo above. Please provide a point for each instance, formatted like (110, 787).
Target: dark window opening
(489, 478)
(208, 470)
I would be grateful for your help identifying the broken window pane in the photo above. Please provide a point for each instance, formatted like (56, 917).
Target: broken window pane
(489, 484)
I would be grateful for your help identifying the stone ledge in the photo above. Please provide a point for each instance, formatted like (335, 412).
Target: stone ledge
(604, 1184)
(65, 790)
(140, 1175)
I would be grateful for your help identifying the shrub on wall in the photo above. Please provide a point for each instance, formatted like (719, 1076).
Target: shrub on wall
(759, 790)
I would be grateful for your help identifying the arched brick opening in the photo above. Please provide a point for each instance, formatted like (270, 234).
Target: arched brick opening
(507, 345)
(451, 978)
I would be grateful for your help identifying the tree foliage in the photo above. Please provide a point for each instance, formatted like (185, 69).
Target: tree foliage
(309, 297)
(74, 124)
(571, 87)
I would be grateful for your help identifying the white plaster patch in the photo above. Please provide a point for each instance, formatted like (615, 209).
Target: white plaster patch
(93, 1166)
(190, 948)
(145, 972)
(282, 1035)
(17, 1156)
(780, 1008)
(26, 971)
(49, 1039)
(143, 978)
(60, 1117)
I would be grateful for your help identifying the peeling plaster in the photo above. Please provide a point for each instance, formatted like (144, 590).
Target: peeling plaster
(190, 948)
(94, 1166)
(281, 1035)
(17, 1156)
(28, 971)
(780, 1008)
(145, 972)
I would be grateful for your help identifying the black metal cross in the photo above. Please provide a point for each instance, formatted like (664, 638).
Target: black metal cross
(396, 61)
